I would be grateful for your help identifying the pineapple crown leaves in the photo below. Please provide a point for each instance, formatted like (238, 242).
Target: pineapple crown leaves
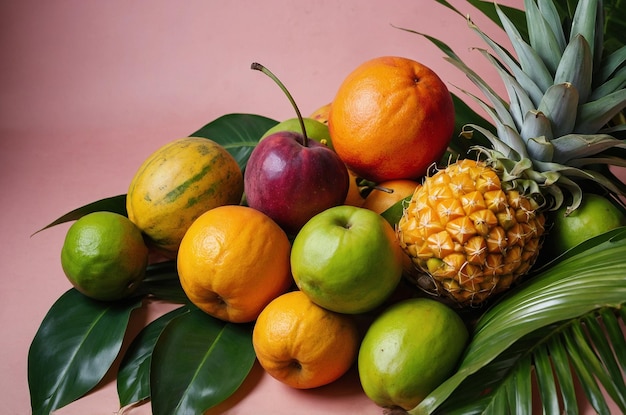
(562, 95)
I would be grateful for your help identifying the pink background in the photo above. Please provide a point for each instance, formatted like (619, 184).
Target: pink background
(90, 89)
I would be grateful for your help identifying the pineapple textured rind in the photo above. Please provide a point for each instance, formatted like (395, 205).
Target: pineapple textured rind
(471, 236)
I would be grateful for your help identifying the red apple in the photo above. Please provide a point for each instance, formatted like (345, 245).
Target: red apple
(291, 179)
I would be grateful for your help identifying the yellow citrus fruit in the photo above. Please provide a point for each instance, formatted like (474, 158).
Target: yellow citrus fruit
(233, 261)
(391, 118)
(104, 256)
(409, 350)
(179, 182)
(321, 114)
(302, 344)
(387, 194)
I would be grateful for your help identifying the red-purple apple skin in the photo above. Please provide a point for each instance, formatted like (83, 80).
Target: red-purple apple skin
(291, 182)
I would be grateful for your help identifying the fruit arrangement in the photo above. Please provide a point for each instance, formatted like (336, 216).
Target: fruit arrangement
(450, 259)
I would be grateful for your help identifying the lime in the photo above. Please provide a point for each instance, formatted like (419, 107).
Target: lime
(104, 256)
(409, 350)
(595, 215)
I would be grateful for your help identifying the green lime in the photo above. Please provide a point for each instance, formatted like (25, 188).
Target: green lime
(104, 256)
(594, 216)
(409, 350)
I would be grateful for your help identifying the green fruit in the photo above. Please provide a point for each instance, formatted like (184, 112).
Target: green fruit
(104, 256)
(594, 216)
(409, 350)
(314, 129)
(347, 259)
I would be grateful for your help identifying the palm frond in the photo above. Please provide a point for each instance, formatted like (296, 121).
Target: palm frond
(553, 308)
(557, 357)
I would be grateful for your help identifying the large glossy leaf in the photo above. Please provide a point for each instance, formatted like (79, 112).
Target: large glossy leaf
(579, 284)
(238, 133)
(116, 204)
(161, 281)
(198, 362)
(133, 377)
(395, 211)
(558, 354)
(73, 349)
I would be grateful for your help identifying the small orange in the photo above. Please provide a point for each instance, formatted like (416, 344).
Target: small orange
(387, 194)
(354, 197)
(391, 118)
(232, 261)
(302, 344)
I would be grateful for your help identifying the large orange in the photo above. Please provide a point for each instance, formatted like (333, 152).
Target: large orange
(391, 118)
(302, 344)
(387, 194)
(232, 261)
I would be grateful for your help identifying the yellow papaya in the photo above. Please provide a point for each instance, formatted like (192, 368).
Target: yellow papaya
(176, 184)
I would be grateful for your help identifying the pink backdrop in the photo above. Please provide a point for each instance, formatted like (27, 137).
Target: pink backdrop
(90, 89)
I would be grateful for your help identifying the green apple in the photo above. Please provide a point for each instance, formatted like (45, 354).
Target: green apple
(314, 129)
(347, 259)
(409, 350)
(594, 216)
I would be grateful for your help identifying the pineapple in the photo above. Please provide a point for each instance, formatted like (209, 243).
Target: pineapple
(475, 227)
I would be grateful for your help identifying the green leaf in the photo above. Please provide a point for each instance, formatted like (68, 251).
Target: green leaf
(615, 24)
(161, 281)
(74, 347)
(563, 372)
(587, 381)
(578, 284)
(198, 362)
(116, 204)
(545, 380)
(558, 354)
(133, 377)
(395, 211)
(238, 133)
(463, 115)
(487, 8)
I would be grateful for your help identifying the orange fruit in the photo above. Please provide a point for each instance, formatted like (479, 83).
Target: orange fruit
(302, 344)
(391, 118)
(232, 261)
(321, 114)
(387, 194)
(354, 197)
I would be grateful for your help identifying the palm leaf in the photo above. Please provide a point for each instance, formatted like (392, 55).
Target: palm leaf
(546, 310)
(557, 355)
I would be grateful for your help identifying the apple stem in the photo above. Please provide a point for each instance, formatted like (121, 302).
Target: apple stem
(259, 67)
